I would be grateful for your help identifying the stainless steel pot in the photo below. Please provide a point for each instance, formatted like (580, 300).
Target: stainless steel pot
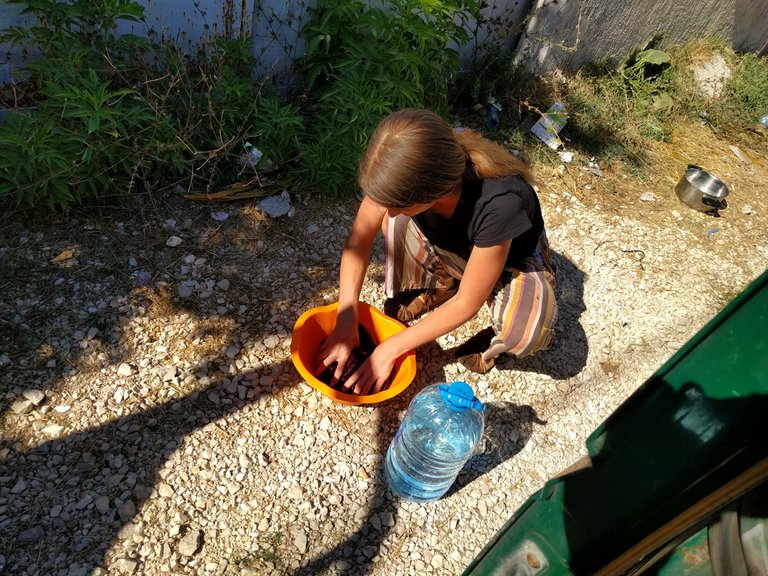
(701, 191)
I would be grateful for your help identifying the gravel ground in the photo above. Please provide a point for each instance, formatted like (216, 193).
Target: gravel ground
(152, 422)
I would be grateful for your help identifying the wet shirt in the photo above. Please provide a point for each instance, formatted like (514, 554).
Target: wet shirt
(489, 212)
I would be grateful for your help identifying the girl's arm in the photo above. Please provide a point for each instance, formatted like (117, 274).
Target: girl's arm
(354, 263)
(483, 270)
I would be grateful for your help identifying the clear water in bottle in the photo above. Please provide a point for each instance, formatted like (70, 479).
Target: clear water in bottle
(438, 434)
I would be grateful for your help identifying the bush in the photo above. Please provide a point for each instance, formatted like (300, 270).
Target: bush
(364, 61)
(117, 114)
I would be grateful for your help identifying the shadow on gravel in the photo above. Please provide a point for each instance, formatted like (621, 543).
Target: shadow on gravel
(63, 477)
(508, 427)
(375, 527)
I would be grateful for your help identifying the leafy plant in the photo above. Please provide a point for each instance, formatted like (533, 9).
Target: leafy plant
(745, 96)
(214, 106)
(363, 61)
(116, 114)
(78, 145)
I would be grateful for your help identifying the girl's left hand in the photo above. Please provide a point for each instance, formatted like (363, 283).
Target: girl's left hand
(373, 373)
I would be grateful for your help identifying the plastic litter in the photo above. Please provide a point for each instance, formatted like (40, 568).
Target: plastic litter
(593, 167)
(492, 109)
(252, 155)
(712, 232)
(277, 205)
(648, 197)
(173, 241)
(738, 153)
(746, 209)
(220, 215)
(566, 156)
(764, 120)
(549, 125)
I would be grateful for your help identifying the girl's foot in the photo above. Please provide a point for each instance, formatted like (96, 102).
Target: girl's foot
(475, 363)
(470, 354)
(411, 304)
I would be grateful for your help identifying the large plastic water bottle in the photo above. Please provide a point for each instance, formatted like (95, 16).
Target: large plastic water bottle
(438, 434)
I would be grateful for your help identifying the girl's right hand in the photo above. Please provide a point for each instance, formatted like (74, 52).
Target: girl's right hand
(337, 347)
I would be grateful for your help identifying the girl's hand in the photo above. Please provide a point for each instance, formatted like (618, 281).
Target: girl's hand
(337, 347)
(374, 372)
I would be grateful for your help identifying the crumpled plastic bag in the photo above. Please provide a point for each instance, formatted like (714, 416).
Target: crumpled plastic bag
(277, 205)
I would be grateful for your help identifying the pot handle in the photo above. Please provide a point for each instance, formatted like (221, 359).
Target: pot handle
(714, 202)
(694, 167)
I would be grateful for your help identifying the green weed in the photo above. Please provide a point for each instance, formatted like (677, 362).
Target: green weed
(363, 61)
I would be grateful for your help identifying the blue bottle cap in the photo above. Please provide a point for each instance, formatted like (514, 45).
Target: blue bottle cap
(460, 397)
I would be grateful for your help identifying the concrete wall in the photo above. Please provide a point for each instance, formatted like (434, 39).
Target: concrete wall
(273, 24)
(558, 33)
(566, 34)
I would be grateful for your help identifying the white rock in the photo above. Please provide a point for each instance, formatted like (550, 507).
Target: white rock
(124, 369)
(52, 429)
(190, 543)
(4, 359)
(173, 241)
(165, 490)
(22, 407)
(126, 566)
(295, 492)
(300, 541)
(19, 487)
(223, 284)
(34, 396)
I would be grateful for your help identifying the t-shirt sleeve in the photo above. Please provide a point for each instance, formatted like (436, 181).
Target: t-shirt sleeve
(501, 218)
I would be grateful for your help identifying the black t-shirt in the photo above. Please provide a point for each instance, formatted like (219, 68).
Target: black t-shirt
(489, 212)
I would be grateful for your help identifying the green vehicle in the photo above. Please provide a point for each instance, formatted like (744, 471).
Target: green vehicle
(676, 480)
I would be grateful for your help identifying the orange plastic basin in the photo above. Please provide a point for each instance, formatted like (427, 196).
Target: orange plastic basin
(316, 324)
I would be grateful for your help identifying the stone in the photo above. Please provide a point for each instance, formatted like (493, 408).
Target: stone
(126, 566)
(127, 511)
(124, 369)
(190, 544)
(34, 396)
(31, 535)
(22, 407)
(300, 541)
(19, 487)
(102, 504)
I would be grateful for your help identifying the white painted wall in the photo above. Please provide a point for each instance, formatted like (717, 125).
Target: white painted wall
(569, 33)
(273, 24)
(558, 33)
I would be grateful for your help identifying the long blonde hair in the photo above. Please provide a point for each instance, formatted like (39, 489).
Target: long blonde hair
(416, 157)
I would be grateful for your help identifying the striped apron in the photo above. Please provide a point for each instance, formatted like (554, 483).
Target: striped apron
(522, 305)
